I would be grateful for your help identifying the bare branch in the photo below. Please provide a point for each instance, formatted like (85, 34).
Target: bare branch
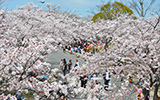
(157, 23)
(140, 7)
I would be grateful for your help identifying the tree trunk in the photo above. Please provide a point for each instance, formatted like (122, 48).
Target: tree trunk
(146, 94)
(156, 91)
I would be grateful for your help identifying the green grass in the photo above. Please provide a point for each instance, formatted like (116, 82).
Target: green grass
(28, 96)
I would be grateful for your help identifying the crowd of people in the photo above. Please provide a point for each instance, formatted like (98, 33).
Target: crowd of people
(66, 67)
(83, 46)
(84, 80)
(97, 81)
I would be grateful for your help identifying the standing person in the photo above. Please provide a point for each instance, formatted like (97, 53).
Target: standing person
(69, 48)
(107, 77)
(76, 64)
(18, 95)
(61, 64)
(85, 80)
(93, 52)
(85, 49)
(139, 94)
(64, 67)
(64, 49)
(72, 50)
(100, 86)
(70, 65)
(130, 78)
(79, 49)
(82, 80)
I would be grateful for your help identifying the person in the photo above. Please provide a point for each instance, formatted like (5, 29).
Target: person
(91, 76)
(122, 76)
(61, 64)
(106, 80)
(96, 86)
(94, 75)
(69, 48)
(93, 52)
(79, 49)
(85, 49)
(107, 77)
(70, 65)
(130, 78)
(60, 95)
(85, 80)
(76, 63)
(100, 86)
(72, 50)
(76, 50)
(18, 95)
(64, 67)
(64, 49)
(82, 80)
(8, 98)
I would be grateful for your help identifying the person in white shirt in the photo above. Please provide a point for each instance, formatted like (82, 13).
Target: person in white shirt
(76, 64)
(107, 78)
(107, 75)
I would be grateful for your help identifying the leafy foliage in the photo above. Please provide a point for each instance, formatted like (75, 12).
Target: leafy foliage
(112, 11)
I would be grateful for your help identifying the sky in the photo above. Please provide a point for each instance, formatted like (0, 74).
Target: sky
(82, 7)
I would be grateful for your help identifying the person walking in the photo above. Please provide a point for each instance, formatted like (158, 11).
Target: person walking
(106, 80)
(107, 77)
(61, 64)
(64, 49)
(85, 80)
(18, 95)
(70, 65)
(76, 64)
(82, 80)
(64, 67)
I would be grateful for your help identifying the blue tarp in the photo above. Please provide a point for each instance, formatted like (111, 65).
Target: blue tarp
(45, 77)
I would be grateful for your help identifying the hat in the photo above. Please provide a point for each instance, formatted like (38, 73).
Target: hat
(55, 75)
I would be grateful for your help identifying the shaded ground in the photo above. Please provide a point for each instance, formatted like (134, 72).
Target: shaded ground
(55, 57)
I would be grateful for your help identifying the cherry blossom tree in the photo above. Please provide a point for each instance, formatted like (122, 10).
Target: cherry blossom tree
(29, 35)
(136, 51)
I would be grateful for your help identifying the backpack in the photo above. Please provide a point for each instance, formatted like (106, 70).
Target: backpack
(18, 95)
(76, 65)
